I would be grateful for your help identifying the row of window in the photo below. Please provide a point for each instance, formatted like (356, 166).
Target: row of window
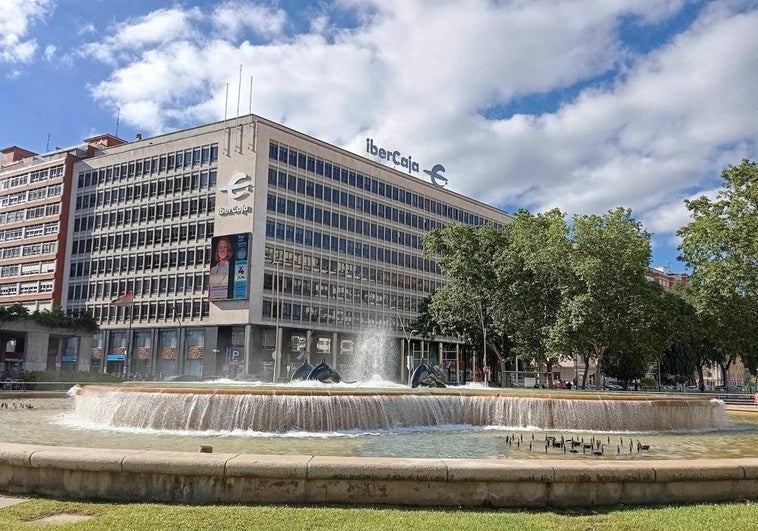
(326, 315)
(342, 269)
(24, 288)
(180, 284)
(290, 233)
(150, 311)
(35, 176)
(30, 231)
(143, 262)
(309, 163)
(345, 200)
(126, 194)
(24, 214)
(186, 232)
(30, 268)
(33, 249)
(165, 187)
(336, 220)
(307, 288)
(204, 205)
(26, 196)
(174, 161)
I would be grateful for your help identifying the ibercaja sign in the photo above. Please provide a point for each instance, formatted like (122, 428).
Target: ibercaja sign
(406, 162)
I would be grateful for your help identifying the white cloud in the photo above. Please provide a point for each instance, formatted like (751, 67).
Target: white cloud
(420, 74)
(234, 16)
(50, 52)
(15, 23)
(149, 32)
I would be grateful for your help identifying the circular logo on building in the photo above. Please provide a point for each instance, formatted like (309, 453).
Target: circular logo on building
(239, 186)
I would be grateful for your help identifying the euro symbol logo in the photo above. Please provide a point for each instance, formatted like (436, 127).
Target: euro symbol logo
(239, 186)
(438, 180)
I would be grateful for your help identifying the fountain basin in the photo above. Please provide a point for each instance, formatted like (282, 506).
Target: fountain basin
(135, 475)
(139, 468)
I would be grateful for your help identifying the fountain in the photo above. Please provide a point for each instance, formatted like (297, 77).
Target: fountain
(334, 408)
(377, 442)
(319, 401)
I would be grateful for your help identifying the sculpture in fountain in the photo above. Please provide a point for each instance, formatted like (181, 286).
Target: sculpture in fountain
(302, 372)
(322, 372)
(427, 376)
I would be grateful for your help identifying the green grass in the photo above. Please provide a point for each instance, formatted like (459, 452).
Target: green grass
(138, 517)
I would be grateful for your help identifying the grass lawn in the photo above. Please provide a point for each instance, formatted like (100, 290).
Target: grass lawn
(144, 516)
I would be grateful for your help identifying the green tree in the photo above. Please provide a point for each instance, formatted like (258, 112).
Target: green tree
(534, 272)
(55, 318)
(720, 244)
(467, 304)
(610, 259)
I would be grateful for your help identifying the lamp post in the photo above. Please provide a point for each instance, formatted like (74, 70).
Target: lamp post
(179, 342)
(277, 343)
(407, 335)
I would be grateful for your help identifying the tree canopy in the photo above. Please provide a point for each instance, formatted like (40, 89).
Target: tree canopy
(549, 289)
(720, 244)
(57, 318)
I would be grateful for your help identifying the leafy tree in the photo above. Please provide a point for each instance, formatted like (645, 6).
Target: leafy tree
(465, 255)
(534, 271)
(13, 312)
(720, 244)
(625, 363)
(55, 318)
(611, 256)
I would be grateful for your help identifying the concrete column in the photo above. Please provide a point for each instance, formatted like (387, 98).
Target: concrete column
(309, 345)
(106, 350)
(211, 346)
(278, 360)
(335, 349)
(154, 352)
(403, 361)
(85, 351)
(458, 362)
(248, 348)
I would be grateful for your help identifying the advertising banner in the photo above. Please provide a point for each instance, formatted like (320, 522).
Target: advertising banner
(229, 267)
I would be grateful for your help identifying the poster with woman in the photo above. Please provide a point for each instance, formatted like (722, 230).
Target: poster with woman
(220, 265)
(229, 267)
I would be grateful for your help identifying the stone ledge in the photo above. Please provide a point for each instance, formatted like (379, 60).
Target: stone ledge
(182, 477)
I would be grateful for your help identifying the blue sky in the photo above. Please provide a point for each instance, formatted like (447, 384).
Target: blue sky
(583, 105)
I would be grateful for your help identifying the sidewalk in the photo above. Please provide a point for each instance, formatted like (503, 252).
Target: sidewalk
(7, 501)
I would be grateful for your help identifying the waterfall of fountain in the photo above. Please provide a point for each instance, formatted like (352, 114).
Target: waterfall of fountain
(283, 409)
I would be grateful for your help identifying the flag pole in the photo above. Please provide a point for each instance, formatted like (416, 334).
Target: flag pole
(127, 300)
(128, 357)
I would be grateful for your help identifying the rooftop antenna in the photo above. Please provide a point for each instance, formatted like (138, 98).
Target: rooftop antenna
(226, 101)
(251, 95)
(47, 147)
(227, 136)
(239, 92)
(253, 128)
(118, 118)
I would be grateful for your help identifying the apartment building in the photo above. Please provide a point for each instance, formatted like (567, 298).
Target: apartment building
(34, 214)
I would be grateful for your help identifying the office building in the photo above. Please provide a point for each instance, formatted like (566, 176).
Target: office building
(244, 247)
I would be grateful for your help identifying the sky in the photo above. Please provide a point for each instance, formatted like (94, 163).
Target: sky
(583, 105)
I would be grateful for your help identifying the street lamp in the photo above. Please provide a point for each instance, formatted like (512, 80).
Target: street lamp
(277, 343)
(407, 334)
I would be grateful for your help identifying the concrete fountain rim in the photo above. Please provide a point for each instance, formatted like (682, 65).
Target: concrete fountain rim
(331, 390)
